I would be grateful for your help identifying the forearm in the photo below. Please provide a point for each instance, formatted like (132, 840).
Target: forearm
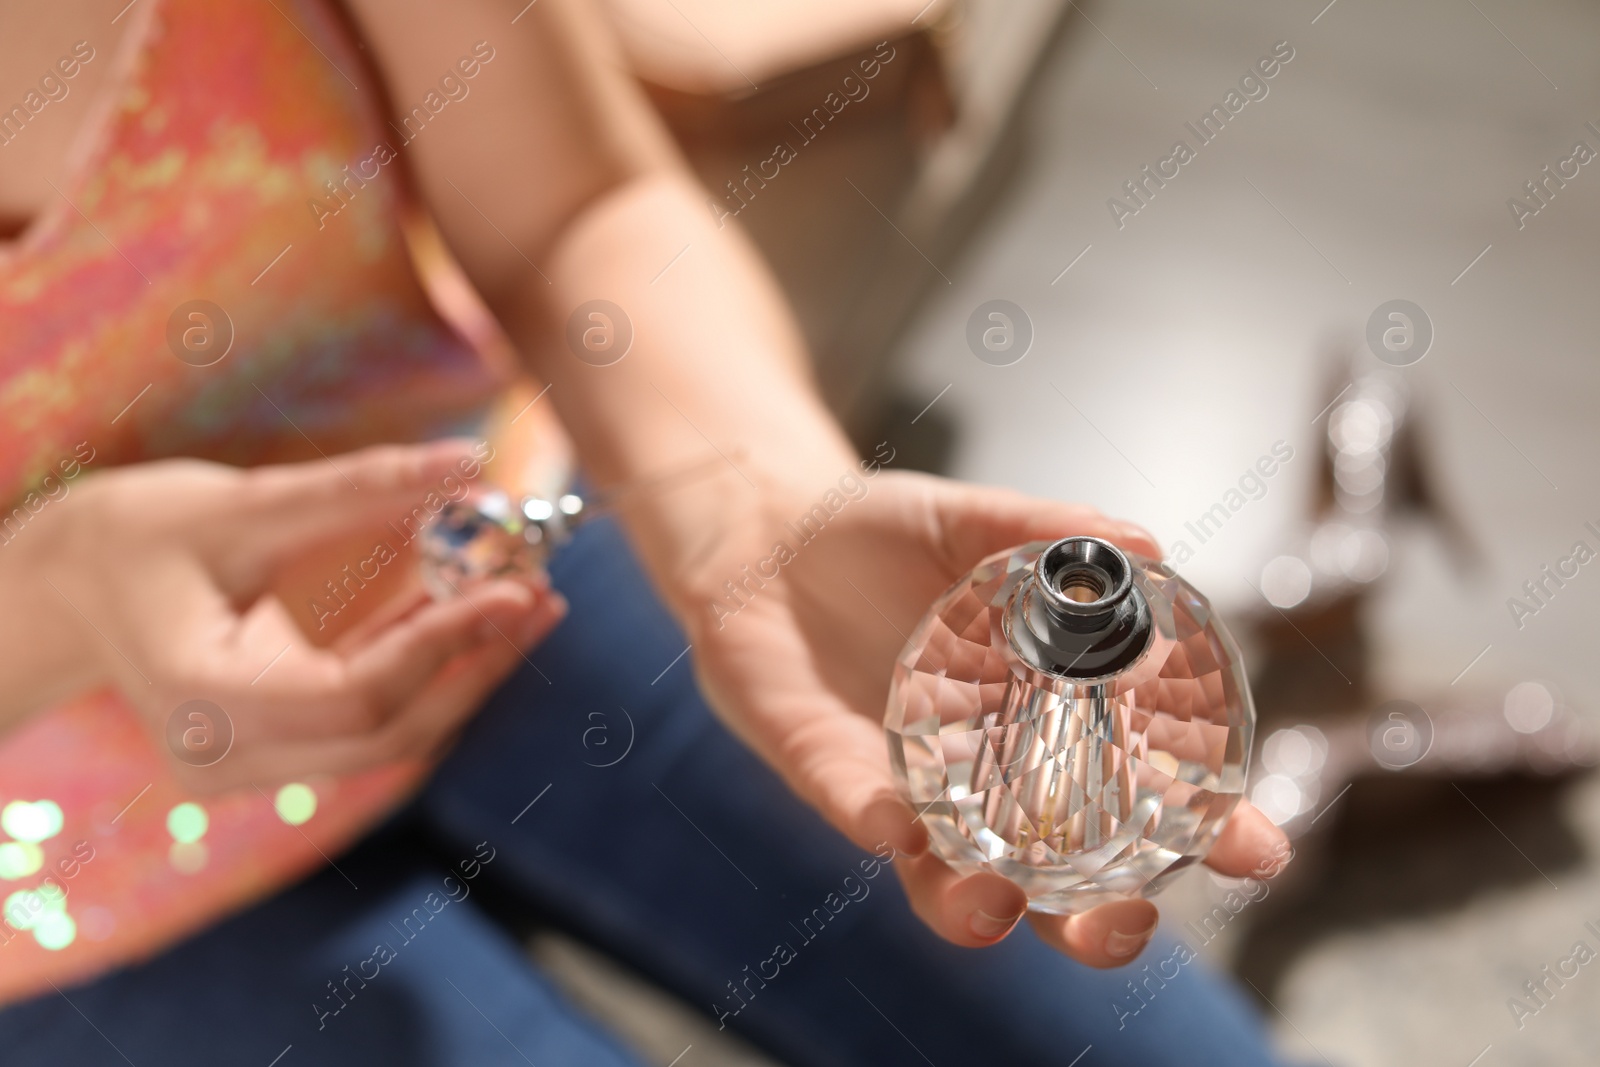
(589, 200)
(716, 366)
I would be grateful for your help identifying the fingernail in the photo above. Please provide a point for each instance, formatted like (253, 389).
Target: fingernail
(1120, 945)
(543, 619)
(1274, 864)
(1134, 532)
(501, 596)
(889, 821)
(989, 926)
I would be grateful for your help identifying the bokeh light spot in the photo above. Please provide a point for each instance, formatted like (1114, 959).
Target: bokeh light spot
(1529, 707)
(187, 823)
(35, 822)
(1286, 581)
(27, 908)
(18, 859)
(55, 930)
(296, 803)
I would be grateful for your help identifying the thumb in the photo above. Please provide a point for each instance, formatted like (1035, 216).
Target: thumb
(835, 761)
(977, 521)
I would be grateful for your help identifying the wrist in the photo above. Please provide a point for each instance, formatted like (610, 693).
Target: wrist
(746, 475)
(697, 539)
(54, 657)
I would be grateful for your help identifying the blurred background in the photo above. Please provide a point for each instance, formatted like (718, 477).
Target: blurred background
(1426, 744)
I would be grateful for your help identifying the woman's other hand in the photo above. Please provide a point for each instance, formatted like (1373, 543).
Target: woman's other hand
(799, 666)
(161, 577)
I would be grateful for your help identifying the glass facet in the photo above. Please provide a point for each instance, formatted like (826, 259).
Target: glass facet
(469, 541)
(1080, 789)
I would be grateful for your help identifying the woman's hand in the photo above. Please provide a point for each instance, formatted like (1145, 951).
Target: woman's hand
(799, 666)
(164, 571)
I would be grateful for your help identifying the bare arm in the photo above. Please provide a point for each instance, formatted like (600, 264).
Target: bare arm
(586, 199)
(557, 148)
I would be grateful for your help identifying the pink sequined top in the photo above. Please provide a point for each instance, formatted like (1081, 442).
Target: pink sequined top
(203, 176)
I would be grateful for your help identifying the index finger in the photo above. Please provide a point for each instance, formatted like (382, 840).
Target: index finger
(290, 505)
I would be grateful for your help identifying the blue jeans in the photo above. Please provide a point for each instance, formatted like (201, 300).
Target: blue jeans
(596, 793)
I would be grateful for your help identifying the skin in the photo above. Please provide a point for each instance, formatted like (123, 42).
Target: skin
(564, 154)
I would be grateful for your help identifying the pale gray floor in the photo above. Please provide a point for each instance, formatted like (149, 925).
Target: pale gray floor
(1382, 160)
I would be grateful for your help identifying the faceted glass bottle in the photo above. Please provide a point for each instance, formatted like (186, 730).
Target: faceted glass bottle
(491, 536)
(1074, 718)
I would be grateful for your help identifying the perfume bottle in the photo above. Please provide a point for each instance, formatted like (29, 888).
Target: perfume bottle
(493, 534)
(490, 535)
(1074, 718)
